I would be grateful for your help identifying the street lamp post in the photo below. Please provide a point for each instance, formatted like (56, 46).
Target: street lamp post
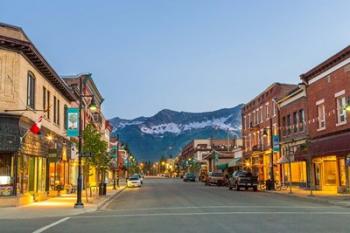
(92, 107)
(272, 173)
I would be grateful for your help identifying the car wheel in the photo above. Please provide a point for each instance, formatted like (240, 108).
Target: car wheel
(229, 187)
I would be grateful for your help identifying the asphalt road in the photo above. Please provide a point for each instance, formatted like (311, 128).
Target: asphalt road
(172, 206)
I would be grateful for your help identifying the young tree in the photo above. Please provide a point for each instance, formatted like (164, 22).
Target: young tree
(93, 144)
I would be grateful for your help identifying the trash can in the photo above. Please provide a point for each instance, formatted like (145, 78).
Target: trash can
(102, 189)
(269, 184)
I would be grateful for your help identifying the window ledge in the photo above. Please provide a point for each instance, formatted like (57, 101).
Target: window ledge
(341, 123)
(321, 129)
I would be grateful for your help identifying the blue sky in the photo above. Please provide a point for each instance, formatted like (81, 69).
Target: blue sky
(188, 55)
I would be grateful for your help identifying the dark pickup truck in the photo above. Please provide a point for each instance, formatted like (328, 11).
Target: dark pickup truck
(243, 179)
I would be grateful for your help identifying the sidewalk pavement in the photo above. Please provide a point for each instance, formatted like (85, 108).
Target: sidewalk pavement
(59, 206)
(317, 196)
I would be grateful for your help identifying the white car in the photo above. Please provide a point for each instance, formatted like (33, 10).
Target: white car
(140, 176)
(134, 181)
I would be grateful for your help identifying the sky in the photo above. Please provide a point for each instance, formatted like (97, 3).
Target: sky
(184, 55)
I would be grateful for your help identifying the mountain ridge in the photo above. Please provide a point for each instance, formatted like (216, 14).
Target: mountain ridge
(167, 131)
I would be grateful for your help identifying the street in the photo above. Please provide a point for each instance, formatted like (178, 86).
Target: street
(170, 205)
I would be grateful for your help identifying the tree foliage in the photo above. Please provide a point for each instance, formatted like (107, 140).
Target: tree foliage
(92, 143)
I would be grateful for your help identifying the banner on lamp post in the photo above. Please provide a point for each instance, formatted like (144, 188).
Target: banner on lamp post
(276, 143)
(72, 122)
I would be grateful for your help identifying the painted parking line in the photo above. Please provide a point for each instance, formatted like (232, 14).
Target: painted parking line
(44, 228)
(215, 213)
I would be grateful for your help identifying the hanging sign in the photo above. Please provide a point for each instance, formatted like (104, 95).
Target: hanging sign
(276, 143)
(73, 122)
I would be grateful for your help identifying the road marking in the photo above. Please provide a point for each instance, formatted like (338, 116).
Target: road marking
(51, 225)
(220, 207)
(214, 213)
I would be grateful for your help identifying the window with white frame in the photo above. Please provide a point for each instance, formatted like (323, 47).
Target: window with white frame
(273, 108)
(267, 113)
(261, 114)
(321, 115)
(341, 113)
(254, 118)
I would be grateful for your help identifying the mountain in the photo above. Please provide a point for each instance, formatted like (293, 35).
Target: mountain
(168, 131)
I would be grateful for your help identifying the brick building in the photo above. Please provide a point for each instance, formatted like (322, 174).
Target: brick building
(295, 162)
(328, 89)
(259, 119)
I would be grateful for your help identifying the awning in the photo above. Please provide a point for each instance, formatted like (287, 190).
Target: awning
(222, 166)
(235, 162)
(332, 145)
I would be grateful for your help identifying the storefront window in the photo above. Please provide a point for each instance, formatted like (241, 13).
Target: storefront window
(342, 173)
(330, 175)
(6, 175)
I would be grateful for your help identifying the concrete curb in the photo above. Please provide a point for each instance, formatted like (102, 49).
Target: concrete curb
(313, 199)
(105, 202)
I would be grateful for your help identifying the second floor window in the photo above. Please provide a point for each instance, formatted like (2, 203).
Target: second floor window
(267, 110)
(288, 124)
(295, 122)
(301, 119)
(283, 126)
(341, 113)
(321, 116)
(31, 90)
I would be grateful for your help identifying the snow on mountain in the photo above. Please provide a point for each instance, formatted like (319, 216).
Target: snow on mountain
(219, 123)
(168, 131)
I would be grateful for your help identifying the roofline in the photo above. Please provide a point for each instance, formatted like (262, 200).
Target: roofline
(267, 89)
(328, 63)
(29, 50)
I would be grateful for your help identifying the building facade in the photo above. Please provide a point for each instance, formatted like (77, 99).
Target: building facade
(328, 88)
(295, 162)
(260, 125)
(30, 89)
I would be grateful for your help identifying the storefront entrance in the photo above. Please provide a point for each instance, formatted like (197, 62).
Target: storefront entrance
(325, 173)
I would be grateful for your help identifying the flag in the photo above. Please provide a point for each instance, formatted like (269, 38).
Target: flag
(35, 129)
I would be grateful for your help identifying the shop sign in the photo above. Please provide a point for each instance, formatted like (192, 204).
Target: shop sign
(73, 122)
(276, 143)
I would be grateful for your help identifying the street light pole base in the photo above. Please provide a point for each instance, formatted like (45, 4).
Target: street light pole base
(78, 205)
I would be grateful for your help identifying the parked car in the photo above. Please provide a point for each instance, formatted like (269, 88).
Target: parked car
(140, 176)
(215, 178)
(243, 179)
(189, 177)
(134, 181)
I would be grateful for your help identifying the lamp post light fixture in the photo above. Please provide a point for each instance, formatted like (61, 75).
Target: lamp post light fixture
(93, 108)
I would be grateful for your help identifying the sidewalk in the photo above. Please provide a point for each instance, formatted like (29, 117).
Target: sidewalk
(317, 196)
(59, 206)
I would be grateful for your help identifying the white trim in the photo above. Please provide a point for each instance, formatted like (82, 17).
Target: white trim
(341, 123)
(321, 101)
(329, 71)
(292, 99)
(320, 129)
(339, 93)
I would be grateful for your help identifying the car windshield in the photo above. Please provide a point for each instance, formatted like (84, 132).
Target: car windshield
(133, 178)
